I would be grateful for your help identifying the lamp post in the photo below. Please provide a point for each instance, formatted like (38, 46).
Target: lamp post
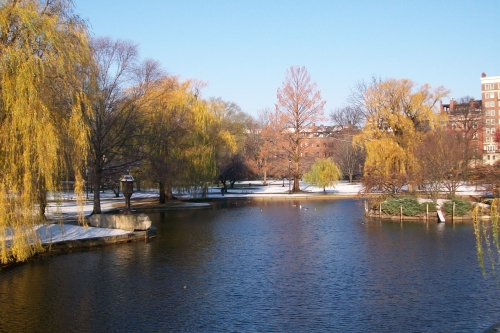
(289, 175)
(127, 189)
(283, 180)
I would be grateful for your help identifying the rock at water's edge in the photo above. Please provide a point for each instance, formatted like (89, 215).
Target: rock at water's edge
(128, 222)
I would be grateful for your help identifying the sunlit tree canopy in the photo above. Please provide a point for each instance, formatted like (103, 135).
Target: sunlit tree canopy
(43, 54)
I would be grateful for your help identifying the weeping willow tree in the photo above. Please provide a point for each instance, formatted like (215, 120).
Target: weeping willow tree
(324, 173)
(43, 52)
(186, 135)
(168, 109)
(398, 114)
(487, 236)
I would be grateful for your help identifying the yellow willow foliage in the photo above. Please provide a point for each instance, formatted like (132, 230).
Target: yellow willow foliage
(478, 226)
(43, 47)
(485, 235)
(387, 156)
(227, 140)
(173, 98)
(201, 149)
(324, 173)
(397, 116)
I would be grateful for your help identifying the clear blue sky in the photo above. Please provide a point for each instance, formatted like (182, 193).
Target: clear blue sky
(243, 48)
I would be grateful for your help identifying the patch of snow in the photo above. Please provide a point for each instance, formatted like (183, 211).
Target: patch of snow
(63, 232)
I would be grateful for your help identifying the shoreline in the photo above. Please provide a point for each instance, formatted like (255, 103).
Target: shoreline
(148, 201)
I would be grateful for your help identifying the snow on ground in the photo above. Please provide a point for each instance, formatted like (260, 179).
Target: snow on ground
(62, 232)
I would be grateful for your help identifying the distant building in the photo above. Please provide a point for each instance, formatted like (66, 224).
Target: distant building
(466, 117)
(490, 89)
(319, 141)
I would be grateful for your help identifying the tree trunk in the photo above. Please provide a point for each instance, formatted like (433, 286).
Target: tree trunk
(42, 202)
(350, 178)
(162, 192)
(265, 172)
(296, 186)
(97, 194)
(231, 182)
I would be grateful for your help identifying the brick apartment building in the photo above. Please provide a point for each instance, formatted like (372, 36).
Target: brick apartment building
(486, 115)
(318, 141)
(466, 116)
(490, 89)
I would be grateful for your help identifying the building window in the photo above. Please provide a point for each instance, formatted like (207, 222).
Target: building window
(317, 154)
(493, 130)
(487, 131)
(307, 154)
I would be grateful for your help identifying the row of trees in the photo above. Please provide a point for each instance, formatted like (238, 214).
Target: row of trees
(276, 147)
(407, 142)
(155, 125)
(79, 108)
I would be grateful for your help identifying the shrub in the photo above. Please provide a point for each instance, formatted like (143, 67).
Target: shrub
(461, 207)
(411, 206)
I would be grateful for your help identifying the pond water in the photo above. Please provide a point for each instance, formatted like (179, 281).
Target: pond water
(261, 266)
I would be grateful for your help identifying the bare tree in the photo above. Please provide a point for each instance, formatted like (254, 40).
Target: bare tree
(347, 117)
(118, 81)
(465, 117)
(299, 106)
(349, 157)
(441, 162)
(270, 155)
